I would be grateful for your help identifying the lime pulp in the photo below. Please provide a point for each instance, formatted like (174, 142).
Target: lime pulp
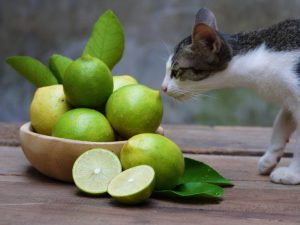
(133, 185)
(94, 169)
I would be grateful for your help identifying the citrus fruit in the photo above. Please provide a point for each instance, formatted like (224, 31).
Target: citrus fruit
(48, 104)
(94, 169)
(134, 185)
(134, 109)
(87, 82)
(123, 80)
(157, 151)
(85, 125)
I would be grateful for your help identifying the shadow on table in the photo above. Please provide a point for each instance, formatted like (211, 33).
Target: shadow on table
(154, 199)
(35, 175)
(194, 200)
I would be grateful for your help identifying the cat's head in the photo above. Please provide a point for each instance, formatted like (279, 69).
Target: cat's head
(196, 60)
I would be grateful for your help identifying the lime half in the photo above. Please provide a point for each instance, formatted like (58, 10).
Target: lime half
(134, 185)
(94, 169)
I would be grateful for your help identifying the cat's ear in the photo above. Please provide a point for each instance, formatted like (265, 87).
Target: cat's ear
(207, 17)
(204, 36)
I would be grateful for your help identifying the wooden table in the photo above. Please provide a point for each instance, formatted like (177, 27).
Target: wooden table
(27, 197)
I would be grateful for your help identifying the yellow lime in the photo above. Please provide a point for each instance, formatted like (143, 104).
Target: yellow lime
(157, 151)
(94, 169)
(134, 185)
(134, 109)
(48, 104)
(123, 80)
(85, 125)
(87, 82)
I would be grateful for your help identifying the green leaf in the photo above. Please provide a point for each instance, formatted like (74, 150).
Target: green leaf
(58, 65)
(107, 40)
(196, 171)
(33, 70)
(194, 189)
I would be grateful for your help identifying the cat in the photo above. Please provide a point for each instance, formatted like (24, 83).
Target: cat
(266, 60)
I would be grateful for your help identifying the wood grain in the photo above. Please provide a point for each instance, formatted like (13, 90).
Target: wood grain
(26, 197)
(9, 134)
(196, 139)
(250, 141)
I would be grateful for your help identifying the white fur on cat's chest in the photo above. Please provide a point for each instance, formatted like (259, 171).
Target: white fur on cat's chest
(272, 74)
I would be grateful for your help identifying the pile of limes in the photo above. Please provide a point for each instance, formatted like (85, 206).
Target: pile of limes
(93, 105)
(100, 107)
(81, 100)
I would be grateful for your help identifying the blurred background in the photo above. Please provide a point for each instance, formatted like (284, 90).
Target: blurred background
(39, 28)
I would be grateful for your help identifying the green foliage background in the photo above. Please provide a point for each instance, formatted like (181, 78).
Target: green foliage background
(235, 107)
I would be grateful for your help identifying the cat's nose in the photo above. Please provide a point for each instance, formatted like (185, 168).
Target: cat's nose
(164, 88)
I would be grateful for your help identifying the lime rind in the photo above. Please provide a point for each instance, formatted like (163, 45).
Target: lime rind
(94, 169)
(134, 185)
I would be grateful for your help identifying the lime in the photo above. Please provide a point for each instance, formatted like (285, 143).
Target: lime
(94, 169)
(157, 151)
(48, 104)
(123, 80)
(85, 125)
(87, 82)
(134, 109)
(134, 185)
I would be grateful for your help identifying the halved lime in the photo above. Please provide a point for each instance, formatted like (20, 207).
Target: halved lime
(134, 185)
(94, 169)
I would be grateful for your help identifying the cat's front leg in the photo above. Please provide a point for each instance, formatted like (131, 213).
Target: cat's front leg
(291, 173)
(283, 127)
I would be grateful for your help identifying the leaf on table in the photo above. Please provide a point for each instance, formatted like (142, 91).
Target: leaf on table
(196, 171)
(193, 189)
(58, 65)
(107, 40)
(33, 70)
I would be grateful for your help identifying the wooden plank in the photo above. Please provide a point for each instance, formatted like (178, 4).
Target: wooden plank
(193, 139)
(9, 134)
(26, 197)
(13, 162)
(222, 140)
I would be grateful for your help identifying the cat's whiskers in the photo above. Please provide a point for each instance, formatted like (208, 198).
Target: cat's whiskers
(167, 47)
(190, 95)
(195, 94)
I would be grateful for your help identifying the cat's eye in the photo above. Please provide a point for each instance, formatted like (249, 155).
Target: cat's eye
(189, 73)
(175, 74)
(178, 72)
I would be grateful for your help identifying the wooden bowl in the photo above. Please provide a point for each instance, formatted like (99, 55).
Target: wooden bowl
(54, 157)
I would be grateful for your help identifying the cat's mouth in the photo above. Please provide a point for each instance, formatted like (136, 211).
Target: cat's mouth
(179, 96)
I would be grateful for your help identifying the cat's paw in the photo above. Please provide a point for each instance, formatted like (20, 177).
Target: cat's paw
(285, 175)
(267, 163)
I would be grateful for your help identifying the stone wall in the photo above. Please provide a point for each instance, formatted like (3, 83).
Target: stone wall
(40, 28)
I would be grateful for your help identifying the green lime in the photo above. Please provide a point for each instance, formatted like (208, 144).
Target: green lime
(87, 82)
(47, 106)
(134, 109)
(94, 169)
(123, 80)
(84, 125)
(134, 185)
(157, 151)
